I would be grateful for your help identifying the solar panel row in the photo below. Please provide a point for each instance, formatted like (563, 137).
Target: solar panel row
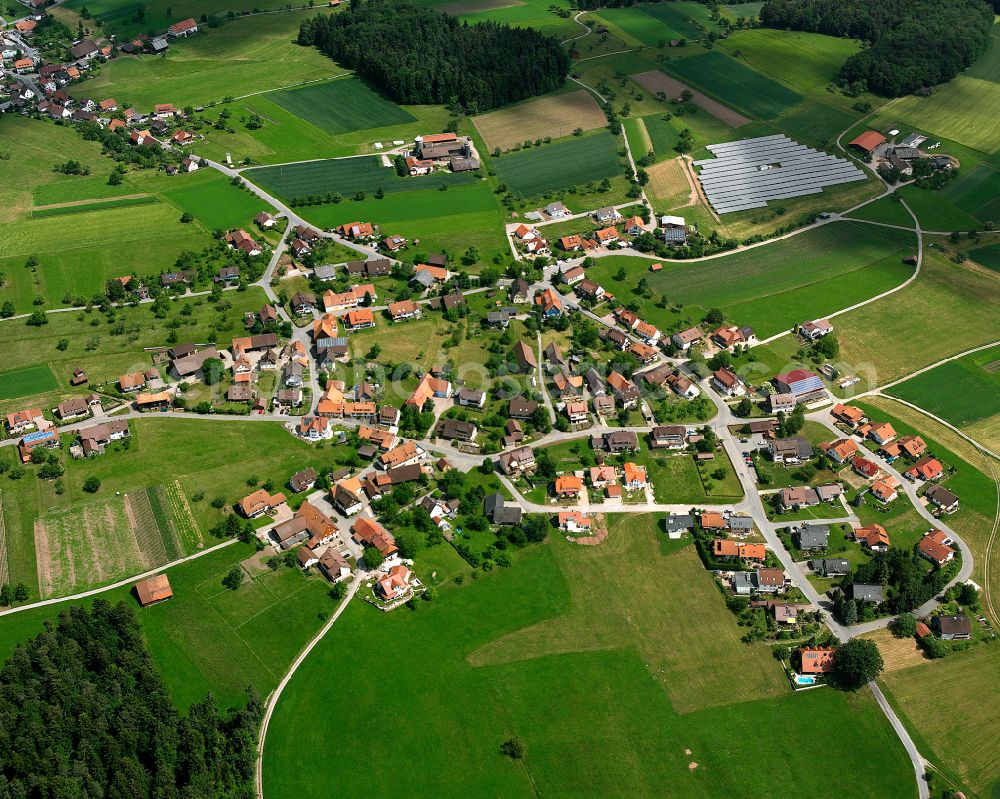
(749, 173)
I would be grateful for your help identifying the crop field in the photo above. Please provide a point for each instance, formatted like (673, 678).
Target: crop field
(734, 84)
(26, 381)
(937, 212)
(962, 741)
(886, 341)
(249, 54)
(88, 545)
(527, 14)
(120, 15)
(773, 288)
(341, 106)
(216, 204)
(630, 682)
(345, 176)
(960, 392)
(957, 109)
(549, 116)
(661, 22)
(668, 187)
(815, 123)
(655, 82)
(86, 207)
(571, 162)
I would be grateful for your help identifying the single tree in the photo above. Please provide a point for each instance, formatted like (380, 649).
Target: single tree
(234, 579)
(857, 662)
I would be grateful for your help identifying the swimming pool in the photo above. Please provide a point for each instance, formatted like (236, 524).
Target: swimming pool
(805, 679)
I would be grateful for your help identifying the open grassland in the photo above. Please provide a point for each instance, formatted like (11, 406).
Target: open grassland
(527, 14)
(552, 117)
(977, 191)
(888, 210)
(957, 109)
(961, 392)
(775, 287)
(816, 123)
(215, 203)
(734, 84)
(975, 482)
(454, 220)
(747, 10)
(888, 339)
(345, 176)
(567, 163)
(26, 381)
(248, 54)
(988, 256)
(654, 680)
(961, 742)
(31, 148)
(208, 638)
(341, 106)
(817, 58)
(286, 137)
(937, 212)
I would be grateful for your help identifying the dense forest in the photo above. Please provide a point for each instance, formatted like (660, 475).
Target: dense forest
(912, 43)
(85, 714)
(419, 56)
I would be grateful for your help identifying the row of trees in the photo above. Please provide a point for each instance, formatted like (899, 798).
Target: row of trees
(420, 56)
(85, 713)
(912, 43)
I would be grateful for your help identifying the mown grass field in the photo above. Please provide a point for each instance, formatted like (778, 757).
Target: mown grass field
(341, 106)
(527, 14)
(988, 256)
(215, 204)
(936, 212)
(463, 216)
(554, 116)
(889, 339)
(734, 84)
(960, 392)
(26, 381)
(567, 163)
(961, 741)
(248, 54)
(119, 16)
(977, 192)
(957, 109)
(630, 682)
(208, 638)
(775, 287)
(345, 176)
(888, 210)
(650, 24)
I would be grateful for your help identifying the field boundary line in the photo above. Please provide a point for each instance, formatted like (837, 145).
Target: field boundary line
(4, 562)
(292, 86)
(119, 584)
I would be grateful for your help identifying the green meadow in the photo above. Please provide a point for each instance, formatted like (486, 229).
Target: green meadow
(775, 287)
(345, 176)
(551, 167)
(27, 380)
(630, 683)
(341, 106)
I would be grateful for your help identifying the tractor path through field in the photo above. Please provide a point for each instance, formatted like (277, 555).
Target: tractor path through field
(121, 583)
(272, 700)
(293, 85)
(587, 30)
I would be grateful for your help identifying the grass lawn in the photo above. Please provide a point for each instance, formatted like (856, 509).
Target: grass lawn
(888, 210)
(734, 84)
(208, 638)
(566, 163)
(341, 106)
(26, 381)
(463, 216)
(960, 742)
(935, 211)
(554, 116)
(961, 392)
(215, 203)
(346, 177)
(634, 682)
(249, 54)
(883, 341)
(775, 287)
(678, 479)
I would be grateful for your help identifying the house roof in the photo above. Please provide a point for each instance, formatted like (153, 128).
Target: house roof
(868, 140)
(568, 483)
(818, 660)
(155, 589)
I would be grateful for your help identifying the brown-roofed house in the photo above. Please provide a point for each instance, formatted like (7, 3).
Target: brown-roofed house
(155, 589)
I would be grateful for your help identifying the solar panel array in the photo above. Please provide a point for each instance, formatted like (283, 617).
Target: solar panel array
(750, 173)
